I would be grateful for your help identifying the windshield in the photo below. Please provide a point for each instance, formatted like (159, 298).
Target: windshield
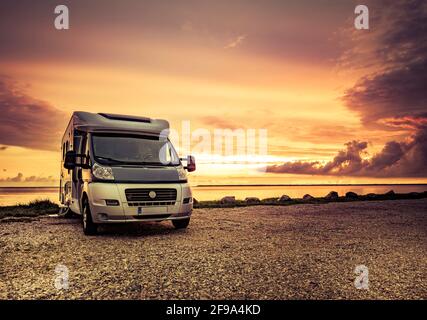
(119, 149)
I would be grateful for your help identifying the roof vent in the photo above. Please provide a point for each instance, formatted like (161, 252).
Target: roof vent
(125, 118)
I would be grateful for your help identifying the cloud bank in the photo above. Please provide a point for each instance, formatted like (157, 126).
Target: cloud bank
(28, 122)
(396, 159)
(392, 95)
(20, 178)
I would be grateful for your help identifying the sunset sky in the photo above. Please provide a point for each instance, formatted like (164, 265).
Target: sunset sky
(340, 105)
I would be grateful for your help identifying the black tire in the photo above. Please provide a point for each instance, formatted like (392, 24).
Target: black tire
(181, 224)
(89, 227)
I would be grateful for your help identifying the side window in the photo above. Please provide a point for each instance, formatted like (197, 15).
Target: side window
(167, 154)
(77, 143)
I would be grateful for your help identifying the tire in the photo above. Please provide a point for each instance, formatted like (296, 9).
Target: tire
(89, 227)
(181, 224)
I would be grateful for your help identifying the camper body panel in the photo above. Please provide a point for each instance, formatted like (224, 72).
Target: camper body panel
(66, 189)
(136, 211)
(80, 183)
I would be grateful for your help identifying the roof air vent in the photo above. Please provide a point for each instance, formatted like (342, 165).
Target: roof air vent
(125, 118)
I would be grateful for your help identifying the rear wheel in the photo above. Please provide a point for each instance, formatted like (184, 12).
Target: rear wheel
(89, 228)
(181, 224)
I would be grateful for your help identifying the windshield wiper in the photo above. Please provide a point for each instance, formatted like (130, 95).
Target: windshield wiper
(158, 164)
(110, 159)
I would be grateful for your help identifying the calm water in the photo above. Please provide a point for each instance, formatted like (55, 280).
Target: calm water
(12, 196)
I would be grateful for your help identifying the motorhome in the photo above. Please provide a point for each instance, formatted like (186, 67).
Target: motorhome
(123, 169)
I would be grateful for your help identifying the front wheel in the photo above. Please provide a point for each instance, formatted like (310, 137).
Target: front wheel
(89, 227)
(181, 224)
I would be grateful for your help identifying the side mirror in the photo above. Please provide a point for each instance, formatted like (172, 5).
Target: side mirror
(70, 160)
(191, 164)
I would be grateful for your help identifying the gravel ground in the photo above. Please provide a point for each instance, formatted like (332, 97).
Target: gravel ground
(259, 252)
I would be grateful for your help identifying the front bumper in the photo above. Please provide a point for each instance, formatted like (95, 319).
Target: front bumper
(126, 211)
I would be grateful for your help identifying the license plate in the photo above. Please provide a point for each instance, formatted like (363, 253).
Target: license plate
(140, 211)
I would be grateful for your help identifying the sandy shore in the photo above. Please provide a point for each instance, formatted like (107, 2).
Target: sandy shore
(261, 252)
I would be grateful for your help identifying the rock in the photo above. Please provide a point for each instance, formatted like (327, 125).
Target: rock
(414, 195)
(284, 198)
(333, 195)
(390, 193)
(228, 200)
(351, 195)
(308, 197)
(252, 200)
(371, 196)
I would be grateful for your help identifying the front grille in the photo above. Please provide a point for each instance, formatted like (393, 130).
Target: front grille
(151, 203)
(143, 195)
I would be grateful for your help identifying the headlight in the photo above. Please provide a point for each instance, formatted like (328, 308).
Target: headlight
(103, 173)
(182, 174)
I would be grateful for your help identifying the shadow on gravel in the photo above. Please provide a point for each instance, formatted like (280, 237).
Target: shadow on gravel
(143, 229)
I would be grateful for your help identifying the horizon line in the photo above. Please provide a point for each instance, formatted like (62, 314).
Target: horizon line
(268, 185)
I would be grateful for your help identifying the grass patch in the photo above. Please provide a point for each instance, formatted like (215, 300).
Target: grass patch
(32, 209)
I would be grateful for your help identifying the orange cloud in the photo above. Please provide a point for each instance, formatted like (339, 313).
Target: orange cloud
(235, 42)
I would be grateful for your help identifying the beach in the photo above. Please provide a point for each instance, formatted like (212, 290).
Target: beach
(307, 251)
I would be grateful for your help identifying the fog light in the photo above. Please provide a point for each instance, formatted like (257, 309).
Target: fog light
(186, 200)
(102, 216)
(110, 202)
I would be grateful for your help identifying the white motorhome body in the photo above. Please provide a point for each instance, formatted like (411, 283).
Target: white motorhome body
(118, 168)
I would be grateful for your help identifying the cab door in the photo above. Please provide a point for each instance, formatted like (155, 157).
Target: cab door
(76, 180)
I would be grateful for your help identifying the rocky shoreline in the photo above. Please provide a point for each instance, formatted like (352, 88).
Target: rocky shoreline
(46, 207)
(285, 200)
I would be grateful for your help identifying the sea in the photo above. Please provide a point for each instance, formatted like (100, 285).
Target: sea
(10, 196)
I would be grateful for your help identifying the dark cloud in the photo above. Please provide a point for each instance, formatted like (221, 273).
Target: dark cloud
(397, 93)
(396, 159)
(395, 50)
(2, 148)
(391, 95)
(394, 95)
(28, 122)
(20, 178)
